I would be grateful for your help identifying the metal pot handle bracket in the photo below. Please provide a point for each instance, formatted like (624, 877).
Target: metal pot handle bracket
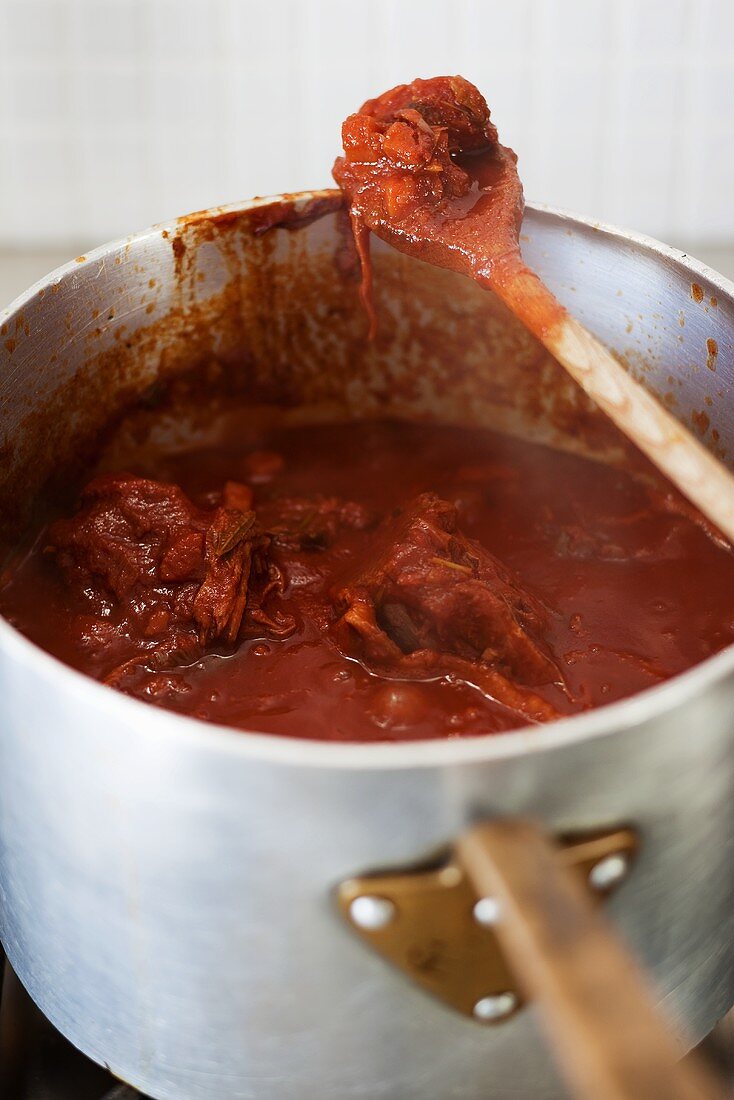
(509, 914)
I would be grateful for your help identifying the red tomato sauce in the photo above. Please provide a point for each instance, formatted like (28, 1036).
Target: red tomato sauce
(375, 581)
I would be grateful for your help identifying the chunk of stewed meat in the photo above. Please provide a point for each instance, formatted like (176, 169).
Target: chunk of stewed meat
(435, 602)
(180, 577)
(399, 145)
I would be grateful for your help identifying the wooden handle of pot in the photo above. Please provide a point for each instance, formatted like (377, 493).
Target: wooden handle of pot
(636, 412)
(601, 1021)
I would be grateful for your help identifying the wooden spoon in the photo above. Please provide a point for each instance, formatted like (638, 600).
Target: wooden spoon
(604, 1028)
(423, 169)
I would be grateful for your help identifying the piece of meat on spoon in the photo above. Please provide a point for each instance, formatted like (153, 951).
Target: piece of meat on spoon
(423, 169)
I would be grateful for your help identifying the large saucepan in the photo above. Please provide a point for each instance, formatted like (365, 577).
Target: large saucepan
(167, 887)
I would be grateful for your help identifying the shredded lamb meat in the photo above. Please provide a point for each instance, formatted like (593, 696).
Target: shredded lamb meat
(182, 577)
(437, 603)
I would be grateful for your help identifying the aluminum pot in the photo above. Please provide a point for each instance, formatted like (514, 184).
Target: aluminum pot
(166, 885)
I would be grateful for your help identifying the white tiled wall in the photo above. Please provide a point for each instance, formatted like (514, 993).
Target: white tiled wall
(117, 113)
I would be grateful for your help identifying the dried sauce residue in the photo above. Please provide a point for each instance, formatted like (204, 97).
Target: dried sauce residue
(701, 420)
(712, 351)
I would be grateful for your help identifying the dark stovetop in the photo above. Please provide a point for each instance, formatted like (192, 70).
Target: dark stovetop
(37, 1063)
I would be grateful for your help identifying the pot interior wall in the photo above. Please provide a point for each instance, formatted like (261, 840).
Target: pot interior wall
(223, 306)
(261, 304)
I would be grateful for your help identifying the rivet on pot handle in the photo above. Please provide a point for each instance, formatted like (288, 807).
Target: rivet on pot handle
(440, 930)
(511, 914)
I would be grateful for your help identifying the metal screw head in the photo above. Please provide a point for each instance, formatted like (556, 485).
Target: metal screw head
(487, 911)
(495, 1007)
(609, 871)
(371, 912)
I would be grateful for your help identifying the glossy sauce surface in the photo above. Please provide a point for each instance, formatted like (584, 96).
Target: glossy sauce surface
(609, 583)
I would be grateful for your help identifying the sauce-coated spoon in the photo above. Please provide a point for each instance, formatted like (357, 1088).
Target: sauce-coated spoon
(424, 170)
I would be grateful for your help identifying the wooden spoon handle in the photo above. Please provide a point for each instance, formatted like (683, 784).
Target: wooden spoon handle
(602, 1024)
(685, 461)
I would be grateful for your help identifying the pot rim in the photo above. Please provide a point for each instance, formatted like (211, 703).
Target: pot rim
(379, 755)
